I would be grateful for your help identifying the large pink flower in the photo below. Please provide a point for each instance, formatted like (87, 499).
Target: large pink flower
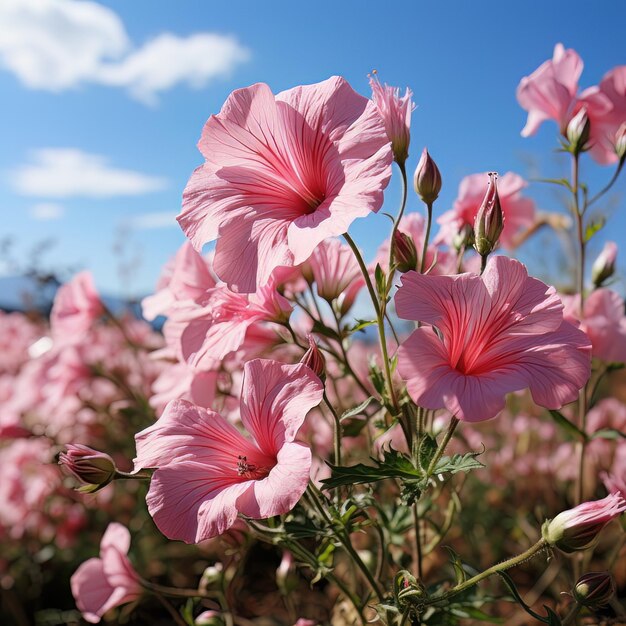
(76, 306)
(496, 333)
(604, 322)
(606, 108)
(103, 583)
(283, 173)
(519, 212)
(208, 472)
(549, 92)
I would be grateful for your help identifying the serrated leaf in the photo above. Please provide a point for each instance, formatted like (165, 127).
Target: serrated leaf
(553, 618)
(361, 325)
(393, 465)
(357, 410)
(426, 452)
(608, 433)
(458, 463)
(568, 426)
(593, 227)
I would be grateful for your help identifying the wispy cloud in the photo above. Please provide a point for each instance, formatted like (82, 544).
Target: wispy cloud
(56, 45)
(72, 173)
(152, 221)
(47, 211)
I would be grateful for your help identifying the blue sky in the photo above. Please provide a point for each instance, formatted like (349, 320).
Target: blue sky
(98, 97)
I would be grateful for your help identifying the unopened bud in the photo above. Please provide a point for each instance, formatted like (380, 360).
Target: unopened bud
(594, 589)
(427, 179)
(620, 142)
(489, 221)
(314, 359)
(604, 266)
(464, 238)
(578, 528)
(212, 574)
(95, 469)
(578, 131)
(404, 251)
(209, 618)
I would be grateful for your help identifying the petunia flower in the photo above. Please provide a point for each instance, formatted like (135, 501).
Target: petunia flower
(518, 211)
(76, 306)
(283, 173)
(496, 333)
(549, 93)
(207, 472)
(603, 320)
(103, 583)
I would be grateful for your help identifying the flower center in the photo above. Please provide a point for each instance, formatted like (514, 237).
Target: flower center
(250, 470)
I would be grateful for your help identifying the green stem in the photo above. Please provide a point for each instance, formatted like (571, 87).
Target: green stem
(443, 445)
(608, 186)
(429, 208)
(173, 591)
(418, 543)
(494, 569)
(344, 539)
(380, 313)
(336, 430)
(396, 222)
(571, 616)
(483, 263)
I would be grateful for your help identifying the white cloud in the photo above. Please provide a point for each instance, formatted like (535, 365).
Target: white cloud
(47, 211)
(55, 45)
(169, 60)
(152, 221)
(70, 172)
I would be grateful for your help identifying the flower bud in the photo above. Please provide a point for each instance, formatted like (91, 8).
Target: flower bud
(578, 131)
(314, 359)
(89, 466)
(489, 221)
(404, 252)
(577, 528)
(604, 266)
(209, 618)
(594, 589)
(427, 179)
(464, 238)
(620, 142)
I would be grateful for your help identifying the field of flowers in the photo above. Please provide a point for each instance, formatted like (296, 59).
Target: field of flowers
(458, 456)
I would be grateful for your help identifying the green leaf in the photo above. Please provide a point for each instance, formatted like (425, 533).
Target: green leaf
(471, 612)
(426, 452)
(613, 367)
(593, 227)
(553, 618)
(322, 329)
(353, 427)
(459, 573)
(357, 410)
(554, 181)
(361, 325)
(458, 463)
(513, 589)
(393, 465)
(568, 426)
(608, 433)
(381, 282)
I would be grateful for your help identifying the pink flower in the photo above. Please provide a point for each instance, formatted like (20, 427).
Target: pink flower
(336, 273)
(185, 278)
(606, 108)
(396, 113)
(76, 306)
(496, 333)
(283, 173)
(220, 325)
(103, 583)
(577, 528)
(519, 212)
(208, 472)
(603, 321)
(549, 92)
